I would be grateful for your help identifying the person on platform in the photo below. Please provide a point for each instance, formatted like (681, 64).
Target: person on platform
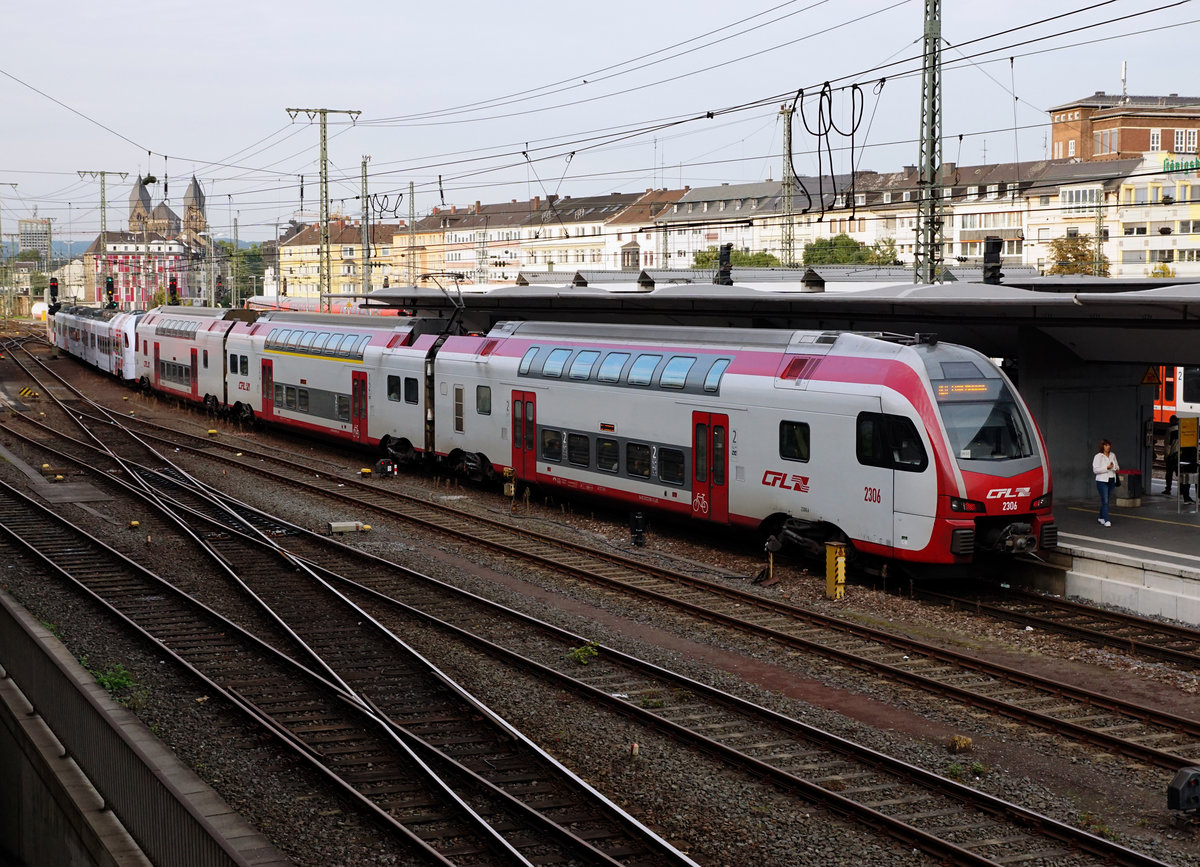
(1172, 460)
(1105, 467)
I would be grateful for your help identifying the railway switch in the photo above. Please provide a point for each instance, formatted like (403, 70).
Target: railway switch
(1183, 792)
(835, 570)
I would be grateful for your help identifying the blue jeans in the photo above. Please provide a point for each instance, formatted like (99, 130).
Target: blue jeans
(1104, 488)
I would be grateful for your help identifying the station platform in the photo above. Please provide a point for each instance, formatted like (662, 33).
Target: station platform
(1148, 561)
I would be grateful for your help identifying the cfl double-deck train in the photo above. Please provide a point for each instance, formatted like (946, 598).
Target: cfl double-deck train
(908, 450)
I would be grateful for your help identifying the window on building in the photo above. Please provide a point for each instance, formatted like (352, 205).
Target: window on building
(1180, 140)
(1071, 148)
(1190, 147)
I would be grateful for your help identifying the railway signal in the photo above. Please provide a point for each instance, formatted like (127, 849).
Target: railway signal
(991, 260)
(53, 306)
(173, 292)
(110, 300)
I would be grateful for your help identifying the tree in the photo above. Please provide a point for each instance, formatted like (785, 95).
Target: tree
(738, 259)
(885, 252)
(29, 256)
(838, 250)
(1162, 270)
(1076, 254)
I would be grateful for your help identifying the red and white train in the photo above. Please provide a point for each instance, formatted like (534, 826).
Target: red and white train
(908, 450)
(1178, 393)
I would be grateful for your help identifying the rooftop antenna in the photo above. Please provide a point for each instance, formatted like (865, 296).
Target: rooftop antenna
(1124, 68)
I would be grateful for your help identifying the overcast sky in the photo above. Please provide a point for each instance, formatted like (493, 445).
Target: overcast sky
(519, 99)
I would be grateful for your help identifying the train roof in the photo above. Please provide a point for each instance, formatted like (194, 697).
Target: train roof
(752, 338)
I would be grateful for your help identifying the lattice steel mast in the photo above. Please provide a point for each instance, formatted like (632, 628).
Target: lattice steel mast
(927, 263)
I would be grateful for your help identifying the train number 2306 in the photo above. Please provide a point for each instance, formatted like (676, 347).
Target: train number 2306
(872, 495)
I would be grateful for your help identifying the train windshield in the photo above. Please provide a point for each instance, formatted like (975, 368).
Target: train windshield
(983, 420)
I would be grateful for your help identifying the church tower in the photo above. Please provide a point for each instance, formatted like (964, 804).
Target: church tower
(139, 207)
(194, 219)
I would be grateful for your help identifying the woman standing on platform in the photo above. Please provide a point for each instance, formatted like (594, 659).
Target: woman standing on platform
(1104, 467)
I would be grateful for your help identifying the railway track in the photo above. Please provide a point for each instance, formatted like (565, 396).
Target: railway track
(1152, 736)
(425, 758)
(1129, 633)
(918, 807)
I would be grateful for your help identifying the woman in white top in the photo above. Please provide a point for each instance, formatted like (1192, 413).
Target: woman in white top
(1105, 467)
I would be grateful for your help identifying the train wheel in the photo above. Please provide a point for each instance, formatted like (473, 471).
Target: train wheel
(210, 404)
(243, 414)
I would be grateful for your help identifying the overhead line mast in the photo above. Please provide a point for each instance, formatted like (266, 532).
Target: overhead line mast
(927, 263)
(326, 265)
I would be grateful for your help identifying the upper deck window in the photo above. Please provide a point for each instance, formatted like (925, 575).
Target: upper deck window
(642, 370)
(610, 368)
(674, 375)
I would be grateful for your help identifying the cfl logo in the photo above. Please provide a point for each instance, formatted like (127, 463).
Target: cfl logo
(775, 479)
(1008, 493)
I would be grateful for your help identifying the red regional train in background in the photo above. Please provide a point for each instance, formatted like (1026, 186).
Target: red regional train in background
(1178, 393)
(908, 450)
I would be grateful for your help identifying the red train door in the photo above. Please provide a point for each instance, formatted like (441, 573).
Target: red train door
(195, 374)
(710, 464)
(524, 435)
(358, 405)
(268, 389)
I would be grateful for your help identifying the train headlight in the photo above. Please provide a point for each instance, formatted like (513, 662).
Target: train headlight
(1042, 502)
(958, 504)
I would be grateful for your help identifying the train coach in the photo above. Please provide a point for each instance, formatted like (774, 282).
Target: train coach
(908, 450)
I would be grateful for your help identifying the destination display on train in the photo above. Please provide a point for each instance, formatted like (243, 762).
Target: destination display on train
(966, 389)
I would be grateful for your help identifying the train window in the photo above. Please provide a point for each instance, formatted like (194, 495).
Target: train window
(700, 453)
(206, 359)
(551, 445)
(360, 345)
(393, 387)
(890, 441)
(527, 360)
(334, 344)
(289, 397)
(410, 389)
(341, 406)
(642, 370)
(674, 375)
(245, 364)
(294, 339)
(712, 380)
(307, 339)
(1190, 386)
(278, 394)
(233, 364)
(127, 346)
(869, 444)
(278, 339)
(320, 342)
(610, 368)
(793, 440)
(670, 466)
(960, 370)
(908, 452)
(555, 362)
(579, 450)
(483, 399)
(581, 367)
(608, 455)
(637, 460)
(458, 408)
(302, 399)
(718, 457)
